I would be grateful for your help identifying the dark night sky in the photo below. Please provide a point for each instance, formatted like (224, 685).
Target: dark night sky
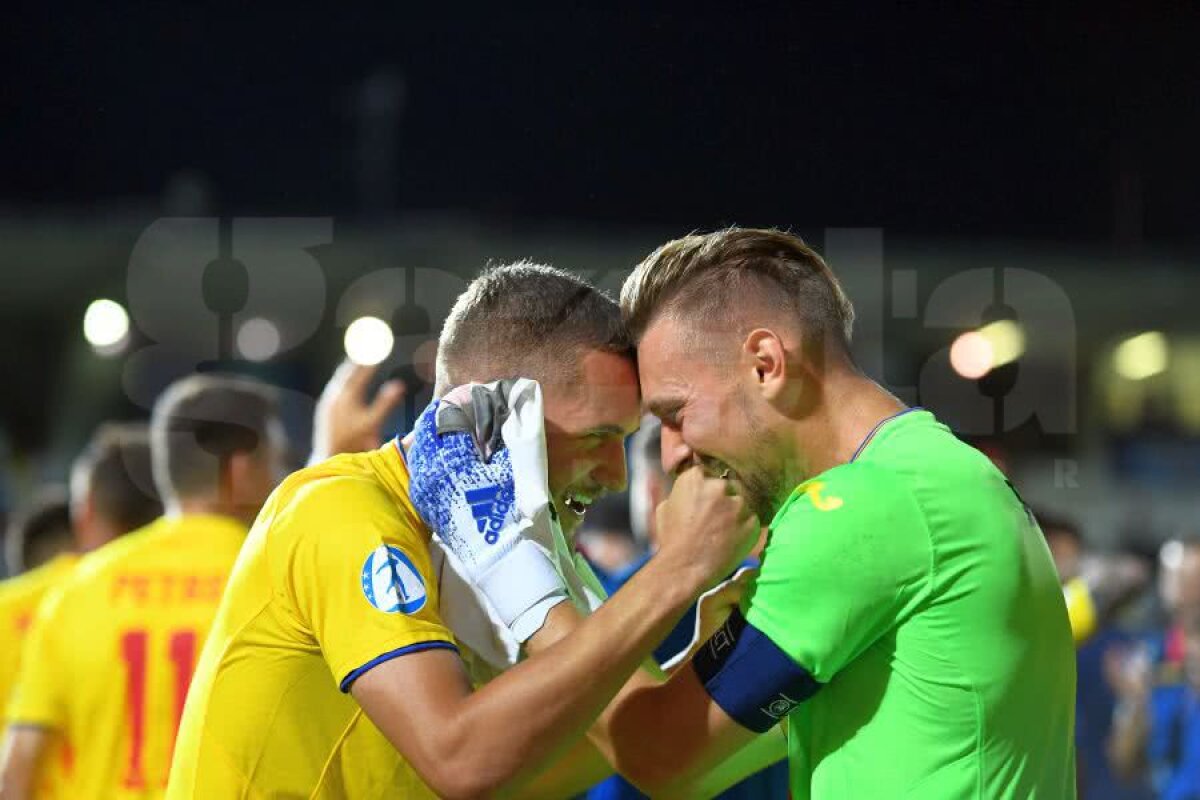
(931, 122)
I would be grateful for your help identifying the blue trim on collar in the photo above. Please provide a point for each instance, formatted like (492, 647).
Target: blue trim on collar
(879, 425)
(403, 651)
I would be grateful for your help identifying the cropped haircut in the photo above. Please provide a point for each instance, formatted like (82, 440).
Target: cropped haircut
(526, 320)
(199, 423)
(116, 473)
(710, 277)
(40, 532)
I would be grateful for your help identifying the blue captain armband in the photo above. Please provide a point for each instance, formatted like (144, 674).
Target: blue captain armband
(749, 677)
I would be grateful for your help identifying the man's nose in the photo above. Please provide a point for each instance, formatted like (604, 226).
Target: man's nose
(675, 453)
(611, 472)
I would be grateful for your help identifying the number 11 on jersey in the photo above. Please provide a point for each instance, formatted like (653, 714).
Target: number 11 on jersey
(135, 651)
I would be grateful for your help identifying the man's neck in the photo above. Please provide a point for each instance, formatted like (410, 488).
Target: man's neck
(204, 507)
(851, 407)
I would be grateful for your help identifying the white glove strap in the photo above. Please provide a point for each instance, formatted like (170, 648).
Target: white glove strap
(529, 623)
(523, 586)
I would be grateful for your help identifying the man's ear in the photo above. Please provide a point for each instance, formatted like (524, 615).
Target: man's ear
(764, 353)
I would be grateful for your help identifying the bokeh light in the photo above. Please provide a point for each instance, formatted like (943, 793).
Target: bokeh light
(1142, 356)
(368, 341)
(258, 339)
(106, 326)
(972, 356)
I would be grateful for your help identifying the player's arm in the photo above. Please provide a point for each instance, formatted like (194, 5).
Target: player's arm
(570, 775)
(34, 711)
(1129, 673)
(471, 745)
(842, 567)
(24, 746)
(701, 731)
(713, 609)
(762, 752)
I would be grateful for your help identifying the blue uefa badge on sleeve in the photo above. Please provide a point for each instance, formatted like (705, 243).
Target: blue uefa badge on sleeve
(391, 582)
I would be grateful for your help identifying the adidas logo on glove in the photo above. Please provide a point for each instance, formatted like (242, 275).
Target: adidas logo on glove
(489, 509)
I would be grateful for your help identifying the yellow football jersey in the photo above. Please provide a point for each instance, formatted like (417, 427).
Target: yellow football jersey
(19, 599)
(335, 578)
(112, 650)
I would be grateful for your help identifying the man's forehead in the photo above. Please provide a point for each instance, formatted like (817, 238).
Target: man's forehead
(603, 393)
(667, 354)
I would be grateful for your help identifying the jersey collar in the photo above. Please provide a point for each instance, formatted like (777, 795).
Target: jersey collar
(868, 439)
(879, 425)
(393, 468)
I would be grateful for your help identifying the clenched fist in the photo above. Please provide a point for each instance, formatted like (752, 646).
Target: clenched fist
(705, 527)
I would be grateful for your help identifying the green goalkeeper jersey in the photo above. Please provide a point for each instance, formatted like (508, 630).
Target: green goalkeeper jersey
(914, 586)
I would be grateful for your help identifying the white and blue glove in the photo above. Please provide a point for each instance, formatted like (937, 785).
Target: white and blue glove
(478, 479)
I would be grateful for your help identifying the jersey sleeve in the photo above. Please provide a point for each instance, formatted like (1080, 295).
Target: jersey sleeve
(847, 559)
(360, 577)
(38, 696)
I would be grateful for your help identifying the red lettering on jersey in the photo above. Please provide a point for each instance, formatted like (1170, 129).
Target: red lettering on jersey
(167, 589)
(132, 588)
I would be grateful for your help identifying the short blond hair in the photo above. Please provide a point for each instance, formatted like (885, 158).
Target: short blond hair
(526, 320)
(708, 276)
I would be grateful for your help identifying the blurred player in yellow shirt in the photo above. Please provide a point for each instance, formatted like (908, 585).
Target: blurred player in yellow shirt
(111, 493)
(111, 652)
(41, 547)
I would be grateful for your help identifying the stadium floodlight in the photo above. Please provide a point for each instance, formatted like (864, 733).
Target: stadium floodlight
(368, 341)
(258, 339)
(1007, 339)
(106, 326)
(972, 355)
(1142, 356)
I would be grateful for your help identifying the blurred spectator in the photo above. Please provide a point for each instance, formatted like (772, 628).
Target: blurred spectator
(1157, 725)
(1096, 586)
(1179, 589)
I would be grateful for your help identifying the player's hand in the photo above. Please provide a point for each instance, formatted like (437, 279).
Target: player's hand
(714, 606)
(1129, 671)
(712, 610)
(345, 421)
(706, 526)
(478, 478)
